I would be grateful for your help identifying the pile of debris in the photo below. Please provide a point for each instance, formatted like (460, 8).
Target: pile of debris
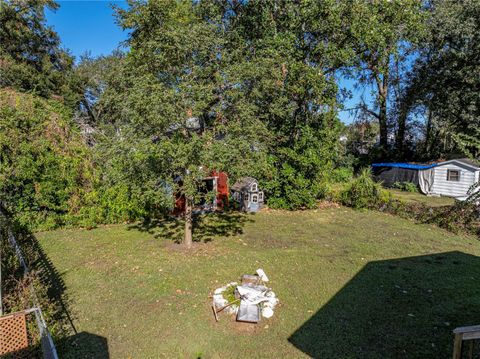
(250, 299)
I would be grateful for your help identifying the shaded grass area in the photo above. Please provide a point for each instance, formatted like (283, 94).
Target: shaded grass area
(41, 285)
(419, 198)
(352, 284)
(205, 227)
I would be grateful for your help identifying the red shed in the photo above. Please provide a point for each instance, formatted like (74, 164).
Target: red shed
(221, 181)
(216, 182)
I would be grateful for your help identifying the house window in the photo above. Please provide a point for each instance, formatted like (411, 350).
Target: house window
(260, 196)
(246, 197)
(254, 198)
(453, 175)
(254, 187)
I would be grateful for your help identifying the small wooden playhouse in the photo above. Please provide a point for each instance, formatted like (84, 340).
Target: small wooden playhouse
(217, 182)
(247, 195)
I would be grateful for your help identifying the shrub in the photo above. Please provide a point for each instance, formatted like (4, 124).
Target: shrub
(364, 192)
(406, 186)
(460, 217)
(299, 172)
(341, 175)
(44, 163)
(474, 194)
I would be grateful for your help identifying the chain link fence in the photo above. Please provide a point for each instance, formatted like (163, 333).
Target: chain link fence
(48, 347)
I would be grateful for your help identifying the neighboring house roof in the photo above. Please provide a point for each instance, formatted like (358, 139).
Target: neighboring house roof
(243, 183)
(410, 166)
(462, 161)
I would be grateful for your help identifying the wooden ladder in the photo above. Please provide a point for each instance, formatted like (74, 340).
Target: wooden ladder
(465, 333)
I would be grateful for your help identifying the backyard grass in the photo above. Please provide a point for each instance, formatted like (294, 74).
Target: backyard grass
(416, 197)
(351, 284)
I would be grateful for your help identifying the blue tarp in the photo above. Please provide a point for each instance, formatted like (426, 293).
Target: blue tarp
(409, 166)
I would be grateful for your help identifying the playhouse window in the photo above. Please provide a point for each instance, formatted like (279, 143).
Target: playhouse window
(254, 198)
(453, 175)
(260, 196)
(246, 197)
(254, 187)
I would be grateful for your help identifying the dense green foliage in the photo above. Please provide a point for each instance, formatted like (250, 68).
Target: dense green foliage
(364, 192)
(382, 34)
(264, 106)
(455, 216)
(49, 177)
(30, 55)
(45, 166)
(287, 77)
(444, 83)
(252, 88)
(406, 186)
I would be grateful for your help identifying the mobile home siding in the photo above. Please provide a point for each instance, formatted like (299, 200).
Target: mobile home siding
(452, 188)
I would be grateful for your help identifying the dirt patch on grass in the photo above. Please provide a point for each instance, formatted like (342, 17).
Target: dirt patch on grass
(244, 328)
(328, 205)
(197, 249)
(229, 323)
(272, 241)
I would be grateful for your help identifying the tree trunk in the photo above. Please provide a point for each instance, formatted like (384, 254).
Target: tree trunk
(402, 125)
(187, 239)
(382, 85)
(428, 134)
(382, 118)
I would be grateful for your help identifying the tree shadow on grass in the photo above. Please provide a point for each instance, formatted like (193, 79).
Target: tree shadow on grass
(84, 345)
(69, 342)
(57, 310)
(50, 278)
(399, 308)
(205, 226)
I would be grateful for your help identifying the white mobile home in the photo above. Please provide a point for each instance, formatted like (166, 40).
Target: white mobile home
(454, 178)
(450, 178)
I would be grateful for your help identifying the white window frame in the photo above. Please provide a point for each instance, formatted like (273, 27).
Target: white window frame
(246, 197)
(254, 187)
(457, 176)
(254, 198)
(260, 196)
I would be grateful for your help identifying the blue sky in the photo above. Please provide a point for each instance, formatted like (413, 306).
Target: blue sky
(85, 25)
(89, 26)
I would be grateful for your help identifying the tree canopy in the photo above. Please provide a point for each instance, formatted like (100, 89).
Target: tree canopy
(31, 58)
(445, 81)
(246, 87)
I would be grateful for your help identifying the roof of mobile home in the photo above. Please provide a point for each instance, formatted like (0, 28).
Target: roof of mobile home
(415, 166)
(410, 166)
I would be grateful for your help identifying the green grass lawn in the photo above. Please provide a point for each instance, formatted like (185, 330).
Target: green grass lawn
(417, 197)
(351, 284)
